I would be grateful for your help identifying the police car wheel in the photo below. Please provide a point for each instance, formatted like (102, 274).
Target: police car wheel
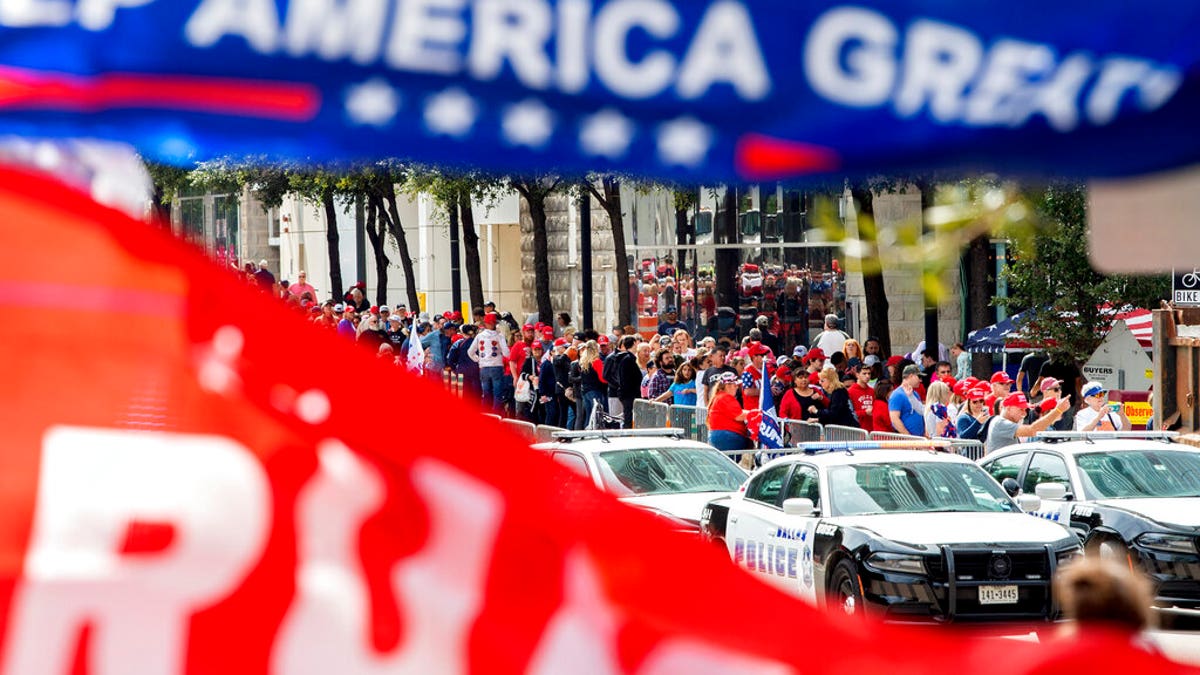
(844, 591)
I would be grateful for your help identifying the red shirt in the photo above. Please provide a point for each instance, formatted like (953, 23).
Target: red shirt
(518, 353)
(722, 413)
(881, 419)
(860, 396)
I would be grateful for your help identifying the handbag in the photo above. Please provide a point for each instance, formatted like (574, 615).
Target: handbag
(524, 391)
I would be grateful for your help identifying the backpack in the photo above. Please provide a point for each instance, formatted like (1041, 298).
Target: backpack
(612, 370)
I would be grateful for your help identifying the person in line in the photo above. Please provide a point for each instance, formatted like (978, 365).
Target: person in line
(832, 338)
(591, 381)
(974, 415)
(802, 401)
(629, 386)
(664, 376)
(489, 351)
(1096, 413)
(683, 390)
(726, 420)
(853, 353)
(881, 417)
(937, 412)
(839, 410)
(962, 361)
(905, 407)
(1007, 427)
(547, 389)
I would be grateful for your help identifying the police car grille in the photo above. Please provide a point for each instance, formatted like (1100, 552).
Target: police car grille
(1021, 565)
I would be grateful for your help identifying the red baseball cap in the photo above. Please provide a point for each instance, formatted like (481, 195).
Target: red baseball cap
(1016, 400)
(950, 382)
(783, 374)
(960, 388)
(374, 309)
(814, 354)
(1049, 383)
(447, 315)
(491, 317)
(456, 316)
(971, 380)
(349, 309)
(548, 333)
(603, 339)
(1001, 378)
(894, 360)
(527, 326)
(758, 349)
(560, 342)
(1047, 405)
(978, 393)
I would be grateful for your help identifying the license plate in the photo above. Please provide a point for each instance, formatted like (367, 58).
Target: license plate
(997, 595)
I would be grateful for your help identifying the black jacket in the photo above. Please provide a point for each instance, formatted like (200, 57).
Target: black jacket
(630, 385)
(840, 410)
(612, 372)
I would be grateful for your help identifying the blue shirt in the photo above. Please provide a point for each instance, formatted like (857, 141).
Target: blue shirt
(684, 399)
(902, 402)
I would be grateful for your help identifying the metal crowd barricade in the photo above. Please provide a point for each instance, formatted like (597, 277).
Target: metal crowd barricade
(689, 418)
(970, 449)
(525, 429)
(650, 415)
(800, 431)
(836, 432)
(892, 436)
(545, 432)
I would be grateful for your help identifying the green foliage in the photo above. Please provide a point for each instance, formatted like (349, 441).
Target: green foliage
(168, 180)
(1049, 272)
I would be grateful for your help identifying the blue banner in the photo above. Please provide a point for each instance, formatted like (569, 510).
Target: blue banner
(770, 434)
(712, 90)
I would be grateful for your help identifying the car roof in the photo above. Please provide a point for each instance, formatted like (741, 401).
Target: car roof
(594, 446)
(868, 456)
(1073, 448)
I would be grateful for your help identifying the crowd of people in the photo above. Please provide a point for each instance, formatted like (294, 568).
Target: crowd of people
(556, 374)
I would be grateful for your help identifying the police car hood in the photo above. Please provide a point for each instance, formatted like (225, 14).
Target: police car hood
(686, 505)
(1184, 511)
(958, 528)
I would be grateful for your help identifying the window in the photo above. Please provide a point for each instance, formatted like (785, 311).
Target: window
(1046, 468)
(804, 485)
(916, 487)
(767, 485)
(1140, 473)
(573, 462)
(1008, 466)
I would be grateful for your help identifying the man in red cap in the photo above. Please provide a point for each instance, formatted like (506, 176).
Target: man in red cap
(1001, 384)
(520, 351)
(752, 375)
(1008, 427)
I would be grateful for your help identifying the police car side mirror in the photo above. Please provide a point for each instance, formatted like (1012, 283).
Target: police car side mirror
(1051, 491)
(1029, 503)
(1011, 486)
(799, 506)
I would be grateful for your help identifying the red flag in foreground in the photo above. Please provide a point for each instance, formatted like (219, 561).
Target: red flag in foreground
(194, 480)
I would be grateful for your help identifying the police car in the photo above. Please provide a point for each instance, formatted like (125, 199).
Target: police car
(884, 528)
(1133, 496)
(654, 469)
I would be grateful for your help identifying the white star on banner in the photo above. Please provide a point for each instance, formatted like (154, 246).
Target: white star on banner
(372, 103)
(528, 123)
(684, 141)
(451, 112)
(606, 133)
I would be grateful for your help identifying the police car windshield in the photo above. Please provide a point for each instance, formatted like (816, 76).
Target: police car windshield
(1140, 473)
(918, 487)
(656, 471)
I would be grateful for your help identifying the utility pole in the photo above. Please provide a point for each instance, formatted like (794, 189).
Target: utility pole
(585, 257)
(455, 263)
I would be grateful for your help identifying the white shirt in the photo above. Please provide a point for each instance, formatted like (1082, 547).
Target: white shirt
(830, 341)
(1085, 416)
(489, 349)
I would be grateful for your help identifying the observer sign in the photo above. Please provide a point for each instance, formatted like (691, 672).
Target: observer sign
(1185, 289)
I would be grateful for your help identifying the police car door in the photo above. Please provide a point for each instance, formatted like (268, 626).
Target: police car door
(754, 521)
(1049, 467)
(795, 538)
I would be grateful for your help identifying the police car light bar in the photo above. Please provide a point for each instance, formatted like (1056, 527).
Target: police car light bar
(1106, 435)
(835, 446)
(618, 433)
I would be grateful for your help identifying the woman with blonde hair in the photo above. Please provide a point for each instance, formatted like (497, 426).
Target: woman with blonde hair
(839, 411)
(591, 383)
(937, 411)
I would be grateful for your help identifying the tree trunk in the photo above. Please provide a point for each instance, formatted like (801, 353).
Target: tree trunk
(331, 238)
(541, 255)
(873, 289)
(616, 220)
(377, 233)
(681, 238)
(470, 241)
(979, 293)
(725, 231)
(397, 228)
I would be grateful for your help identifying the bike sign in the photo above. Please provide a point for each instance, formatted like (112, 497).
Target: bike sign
(1185, 288)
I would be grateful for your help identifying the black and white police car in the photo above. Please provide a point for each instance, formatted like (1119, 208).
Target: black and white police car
(1133, 496)
(655, 469)
(901, 533)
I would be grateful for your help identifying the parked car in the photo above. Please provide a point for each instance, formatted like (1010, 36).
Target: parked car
(654, 469)
(908, 535)
(1130, 496)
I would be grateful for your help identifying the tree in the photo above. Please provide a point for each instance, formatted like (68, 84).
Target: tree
(608, 196)
(168, 180)
(1049, 273)
(874, 290)
(535, 190)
